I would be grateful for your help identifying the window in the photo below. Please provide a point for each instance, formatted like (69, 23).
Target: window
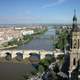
(74, 61)
(75, 43)
(78, 43)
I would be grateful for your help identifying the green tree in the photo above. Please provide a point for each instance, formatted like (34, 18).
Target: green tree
(12, 42)
(41, 69)
(34, 72)
(56, 68)
(61, 40)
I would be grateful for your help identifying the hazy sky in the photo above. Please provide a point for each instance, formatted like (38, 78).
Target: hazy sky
(38, 11)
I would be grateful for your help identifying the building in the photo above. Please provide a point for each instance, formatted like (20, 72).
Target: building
(27, 32)
(74, 49)
(6, 34)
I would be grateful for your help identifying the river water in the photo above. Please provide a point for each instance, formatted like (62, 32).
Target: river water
(44, 42)
(16, 71)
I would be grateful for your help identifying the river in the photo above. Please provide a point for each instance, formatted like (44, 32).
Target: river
(44, 42)
(16, 71)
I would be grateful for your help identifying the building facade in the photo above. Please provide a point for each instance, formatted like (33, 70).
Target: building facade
(74, 46)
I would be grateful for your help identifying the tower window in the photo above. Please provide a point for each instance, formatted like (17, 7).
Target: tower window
(74, 61)
(78, 43)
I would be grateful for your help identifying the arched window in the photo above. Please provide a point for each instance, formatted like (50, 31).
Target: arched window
(78, 43)
(74, 61)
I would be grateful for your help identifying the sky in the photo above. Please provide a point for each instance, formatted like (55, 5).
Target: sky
(38, 11)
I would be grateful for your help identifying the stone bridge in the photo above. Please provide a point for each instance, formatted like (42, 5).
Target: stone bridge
(24, 53)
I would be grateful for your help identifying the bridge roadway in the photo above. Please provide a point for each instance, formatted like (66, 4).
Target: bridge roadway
(25, 53)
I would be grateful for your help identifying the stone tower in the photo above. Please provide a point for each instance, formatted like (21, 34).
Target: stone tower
(74, 44)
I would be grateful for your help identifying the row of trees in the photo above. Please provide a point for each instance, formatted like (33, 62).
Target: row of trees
(61, 39)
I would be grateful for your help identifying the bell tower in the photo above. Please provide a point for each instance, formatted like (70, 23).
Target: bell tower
(74, 26)
(74, 18)
(75, 44)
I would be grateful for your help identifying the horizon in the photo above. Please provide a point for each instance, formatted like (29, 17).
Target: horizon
(38, 12)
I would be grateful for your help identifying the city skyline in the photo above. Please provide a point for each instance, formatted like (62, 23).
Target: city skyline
(38, 11)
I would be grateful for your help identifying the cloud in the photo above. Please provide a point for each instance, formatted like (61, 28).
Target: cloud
(57, 2)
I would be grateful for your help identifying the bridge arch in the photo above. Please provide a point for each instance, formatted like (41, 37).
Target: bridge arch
(48, 56)
(19, 56)
(8, 56)
(34, 58)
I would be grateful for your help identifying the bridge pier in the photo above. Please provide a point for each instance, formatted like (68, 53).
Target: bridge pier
(13, 55)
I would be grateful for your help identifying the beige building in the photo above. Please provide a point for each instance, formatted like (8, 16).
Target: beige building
(74, 46)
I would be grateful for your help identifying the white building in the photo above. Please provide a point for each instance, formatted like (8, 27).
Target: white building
(27, 32)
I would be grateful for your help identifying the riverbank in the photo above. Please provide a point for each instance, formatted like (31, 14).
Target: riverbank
(42, 41)
(9, 47)
(15, 43)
